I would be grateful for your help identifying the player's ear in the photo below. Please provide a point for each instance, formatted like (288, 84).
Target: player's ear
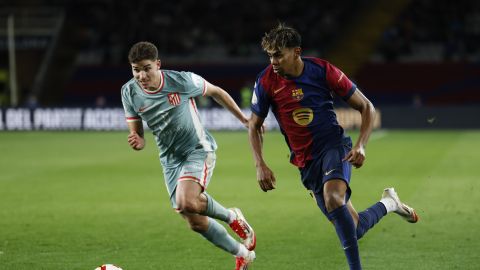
(297, 51)
(159, 64)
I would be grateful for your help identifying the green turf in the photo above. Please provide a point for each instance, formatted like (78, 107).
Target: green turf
(75, 200)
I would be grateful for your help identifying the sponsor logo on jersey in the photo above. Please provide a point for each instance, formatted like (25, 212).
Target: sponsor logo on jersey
(297, 94)
(303, 116)
(174, 99)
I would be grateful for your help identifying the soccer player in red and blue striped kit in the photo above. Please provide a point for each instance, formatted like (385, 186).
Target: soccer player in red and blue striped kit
(299, 91)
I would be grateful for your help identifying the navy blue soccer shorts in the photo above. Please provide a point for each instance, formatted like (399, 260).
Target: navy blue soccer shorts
(328, 166)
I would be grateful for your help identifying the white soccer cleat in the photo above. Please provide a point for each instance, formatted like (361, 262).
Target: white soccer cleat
(241, 227)
(405, 211)
(242, 263)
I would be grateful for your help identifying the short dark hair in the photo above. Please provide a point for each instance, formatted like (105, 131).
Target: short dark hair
(142, 50)
(282, 36)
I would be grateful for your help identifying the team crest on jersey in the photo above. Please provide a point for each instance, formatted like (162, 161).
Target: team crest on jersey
(174, 99)
(297, 94)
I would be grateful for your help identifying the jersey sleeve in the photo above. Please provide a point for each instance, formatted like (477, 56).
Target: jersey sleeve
(260, 101)
(130, 113)
(339, 82)
(195, 85)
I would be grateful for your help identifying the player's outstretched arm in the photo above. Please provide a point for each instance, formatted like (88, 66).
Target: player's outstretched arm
(135, 138)
(224, 99)
(360, 103)
(265, 177)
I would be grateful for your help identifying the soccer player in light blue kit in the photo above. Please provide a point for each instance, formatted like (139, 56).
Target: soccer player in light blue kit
(164, 99)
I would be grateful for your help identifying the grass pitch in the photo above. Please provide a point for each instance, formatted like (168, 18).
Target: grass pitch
(75, 200)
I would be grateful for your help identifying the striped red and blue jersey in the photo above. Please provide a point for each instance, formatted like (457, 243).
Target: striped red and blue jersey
(303, 106)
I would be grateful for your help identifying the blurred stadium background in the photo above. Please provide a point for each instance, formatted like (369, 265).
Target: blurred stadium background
(416, 60)
(78, 199)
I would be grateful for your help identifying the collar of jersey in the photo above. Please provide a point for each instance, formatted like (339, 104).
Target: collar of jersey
(162, 82)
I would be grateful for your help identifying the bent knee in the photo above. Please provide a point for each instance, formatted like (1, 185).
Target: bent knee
(187, 207)
(334, 200)
(198, 227)
(196, 223)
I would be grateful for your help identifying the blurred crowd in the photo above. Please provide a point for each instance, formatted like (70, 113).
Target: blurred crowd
(199, 30)
(427, 30)
(434, 31)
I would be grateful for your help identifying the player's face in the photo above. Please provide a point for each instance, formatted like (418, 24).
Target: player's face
(283, 60)
(146, 73)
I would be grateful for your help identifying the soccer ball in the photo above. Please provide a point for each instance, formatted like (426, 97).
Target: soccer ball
(108, 267)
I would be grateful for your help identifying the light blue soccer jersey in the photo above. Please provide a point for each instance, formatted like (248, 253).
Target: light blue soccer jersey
(171, 113)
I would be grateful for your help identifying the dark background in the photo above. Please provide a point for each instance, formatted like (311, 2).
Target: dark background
(410, 54)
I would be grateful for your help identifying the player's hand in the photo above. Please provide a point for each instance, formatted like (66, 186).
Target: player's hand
(356, 156)
(245, 122)
(263, 129)
(266, 179)
(136, 141)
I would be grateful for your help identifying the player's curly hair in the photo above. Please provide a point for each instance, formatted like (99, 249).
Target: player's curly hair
(282, 36)
(142, 50)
